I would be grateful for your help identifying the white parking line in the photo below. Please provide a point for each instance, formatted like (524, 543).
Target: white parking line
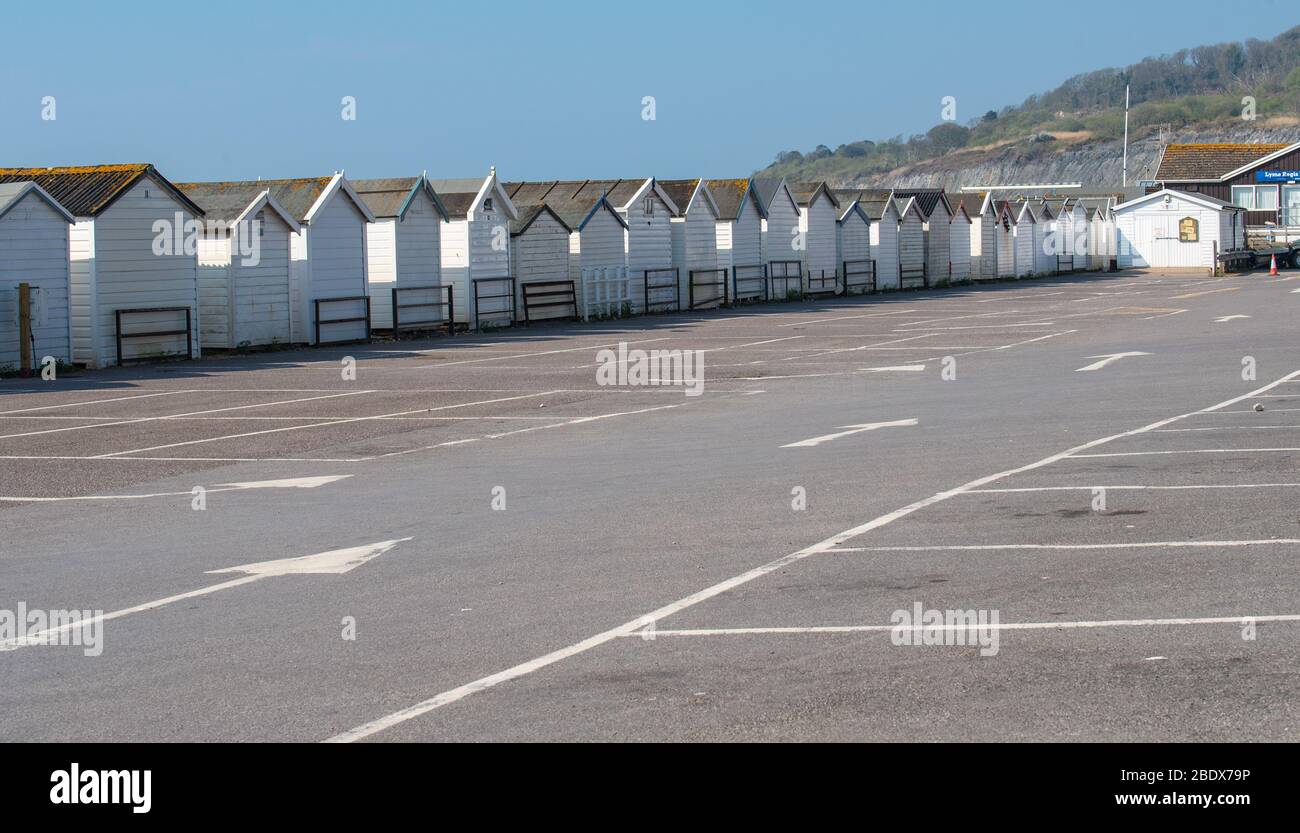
(99, 401)
(1000, 626)
(1135, 488)
(525, 668)
(1118, 545)
(1185, 451)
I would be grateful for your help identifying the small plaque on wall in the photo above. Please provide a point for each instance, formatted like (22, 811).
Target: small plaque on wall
(1189, 230)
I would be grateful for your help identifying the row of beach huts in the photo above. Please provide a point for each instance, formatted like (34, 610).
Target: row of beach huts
(119, 264)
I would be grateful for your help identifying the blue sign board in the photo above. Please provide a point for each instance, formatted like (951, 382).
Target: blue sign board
(1277, 176)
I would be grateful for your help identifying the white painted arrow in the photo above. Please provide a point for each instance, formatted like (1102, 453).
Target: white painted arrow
(1225, 318)
(901, 368)
(853, 429)
(1107, 359)
(332, 562)
(290, 483)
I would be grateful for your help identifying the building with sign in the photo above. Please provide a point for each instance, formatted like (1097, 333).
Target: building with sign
(1262, 179)
(1177, 230)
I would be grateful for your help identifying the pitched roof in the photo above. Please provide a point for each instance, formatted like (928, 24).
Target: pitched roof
(973, 202)
(457, 195)
(876, 208)
(927, 199)
(680, 191)
(86, 190)
(571, 200)
(529, 214)
(730, 196)
(391, 197)
(12, 193)
(806, 192)
(1184, 163)
(1211, 202)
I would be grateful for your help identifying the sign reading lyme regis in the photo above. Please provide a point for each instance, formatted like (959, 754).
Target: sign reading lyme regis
(1277, 176)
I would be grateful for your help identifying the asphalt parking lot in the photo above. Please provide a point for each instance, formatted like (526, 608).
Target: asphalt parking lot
(1107, 461)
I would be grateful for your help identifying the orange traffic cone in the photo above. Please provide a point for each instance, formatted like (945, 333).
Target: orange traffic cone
(1272, 265)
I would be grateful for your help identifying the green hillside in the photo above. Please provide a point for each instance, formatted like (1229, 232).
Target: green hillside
(1192, 88)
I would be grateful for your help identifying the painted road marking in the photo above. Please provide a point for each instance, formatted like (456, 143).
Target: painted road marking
(523, 669)
(1130, 487)
(1226, 318)
(332, 562)
(1108, 358)
(1204, 292)
(290, 483)
(1122, 545)
(1000, 626)
(853, 429)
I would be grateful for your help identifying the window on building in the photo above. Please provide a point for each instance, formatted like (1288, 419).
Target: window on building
(1255, 197)
(487, 204)
(649, 206)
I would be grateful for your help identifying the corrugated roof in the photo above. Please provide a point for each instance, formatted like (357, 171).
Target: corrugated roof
(927, 199)
(86, 190)
(1208, 161)
(573, 201)
(222, 200)
(457, 195)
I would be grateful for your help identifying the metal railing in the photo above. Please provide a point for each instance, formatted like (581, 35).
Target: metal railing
(448, 319)
(703, 279)
(753, 279)
(508, 296)
(859, 274)
(822, 282)
(350, 319)
(119, 336)
(779, 271)
(654, 280)
(549, 295)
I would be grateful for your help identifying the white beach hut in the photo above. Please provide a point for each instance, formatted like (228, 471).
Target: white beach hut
(403, 249)
(782, 236)
(476, 248)
(34, 251)
(959, 235)
(740, 235)
(128, 255)
(243, 265)
(819, 212)
(857, 271)
(704, 282)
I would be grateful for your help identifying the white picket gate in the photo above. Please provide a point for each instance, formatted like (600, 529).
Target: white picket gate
(605, 291)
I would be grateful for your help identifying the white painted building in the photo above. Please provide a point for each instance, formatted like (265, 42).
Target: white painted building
(937, 214)
(959, 234)
(243, 264)
(1176, 230)
(695, 240)
(127, 251)
(819, 212)
(403, 245)
(1026, 234)
(983, 222)
(34, 250)
(540, 252)
(739, 230)
(854, 235)
(884, 241)
(782, 253)
(1004, 239)
(911, 243)
(476, 246)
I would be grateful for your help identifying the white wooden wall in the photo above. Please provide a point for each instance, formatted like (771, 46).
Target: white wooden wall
(937, 246)
(1005, 245)
(884, 247)
(959, 234)
(911, 246)
(127, 274)
(381, 269)
(541, 254)
(695, 244)
(649, 240)
(1147, 235)
(779, 231)
(336, 251)
(817, 222)
(1024, 242)
(260, 302)
(34, 250)
(600, 245)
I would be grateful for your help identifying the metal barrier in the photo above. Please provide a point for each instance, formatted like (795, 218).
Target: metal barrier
(858, 274)
(353, 319)
(905, 275)
(606, 291)
(449, 319)
(548, 291)
(821, 283)
(187, 332)
(1064, 263)
(713, 279)
(479, 297)
(779, 270)
(755, 279)
(675, 286)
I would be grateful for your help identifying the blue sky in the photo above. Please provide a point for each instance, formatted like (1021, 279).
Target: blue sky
(542, 90)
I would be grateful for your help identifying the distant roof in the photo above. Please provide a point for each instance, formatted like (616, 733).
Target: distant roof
(1212, 202)
(228, 201)
(876, 208)
(572, 201)
(390, 197)
(457, 195)
(86, 190)
(972, 201)
(927, 199)
(529, 214)
(680, 191)
(766, 188)
(730, 195)
(805, 192)
(296, 195)
(12, 193)
(1193, 163)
